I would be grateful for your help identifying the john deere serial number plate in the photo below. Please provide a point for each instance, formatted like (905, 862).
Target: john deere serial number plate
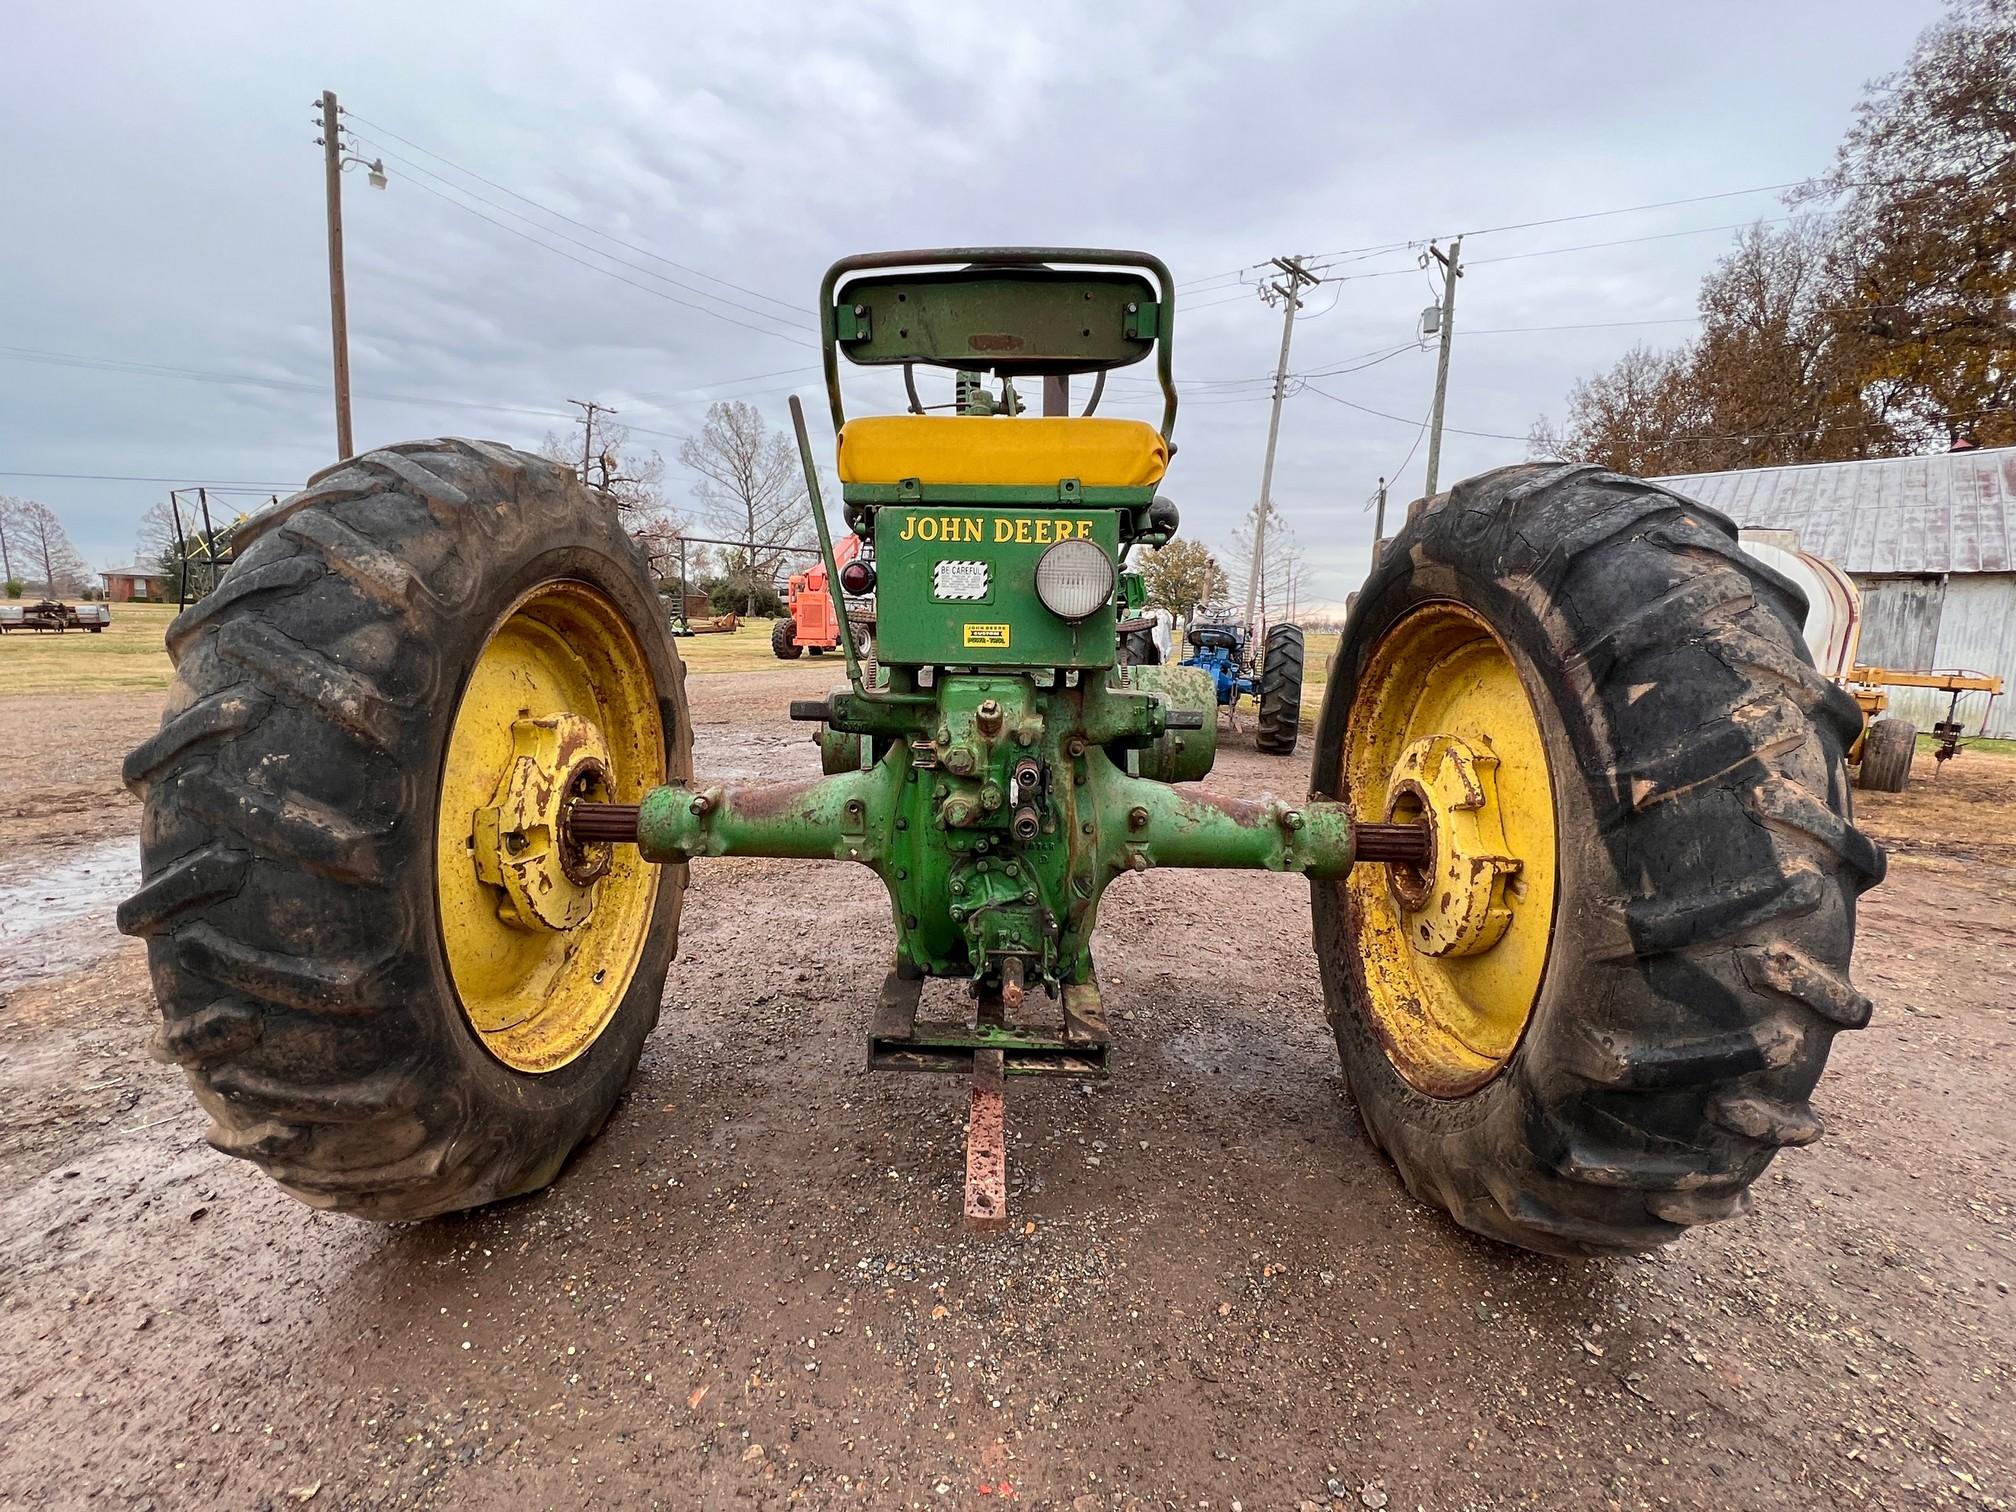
(959, 581)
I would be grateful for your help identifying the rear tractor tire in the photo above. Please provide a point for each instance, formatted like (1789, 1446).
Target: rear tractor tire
(1280, 691)
(1137, 648)
(1594, 1018)
(335, 975)
(784, 640)
(1886, 756)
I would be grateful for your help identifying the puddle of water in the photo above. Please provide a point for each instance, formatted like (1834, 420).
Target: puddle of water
(57, 907)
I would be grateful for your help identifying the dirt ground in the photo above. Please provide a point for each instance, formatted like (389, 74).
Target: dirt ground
(753, 1288)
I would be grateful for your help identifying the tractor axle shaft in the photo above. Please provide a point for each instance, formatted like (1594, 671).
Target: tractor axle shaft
(588, 823)
(1407, 844)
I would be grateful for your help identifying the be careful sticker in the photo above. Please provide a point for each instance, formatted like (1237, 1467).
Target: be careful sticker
(959, 580)
(993, 636)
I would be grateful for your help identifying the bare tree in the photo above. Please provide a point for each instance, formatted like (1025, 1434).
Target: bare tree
(1275, 570)
(10, 510)
(631, 479)
(158, 536)
(751, 490)
(45, 544)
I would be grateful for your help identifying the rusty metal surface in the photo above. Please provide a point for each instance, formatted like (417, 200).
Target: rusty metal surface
(1408, 844)
(987, 1147)
(587, 822)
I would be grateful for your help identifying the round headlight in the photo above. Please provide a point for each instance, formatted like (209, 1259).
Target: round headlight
(1074, 578)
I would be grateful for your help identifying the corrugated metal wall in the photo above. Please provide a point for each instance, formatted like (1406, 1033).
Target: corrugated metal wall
(1920, 623)
(1900, 621)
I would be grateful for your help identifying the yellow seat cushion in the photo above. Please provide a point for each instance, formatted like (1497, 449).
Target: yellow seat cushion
(985, 450)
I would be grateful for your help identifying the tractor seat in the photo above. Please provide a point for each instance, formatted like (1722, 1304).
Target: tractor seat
(998, 452)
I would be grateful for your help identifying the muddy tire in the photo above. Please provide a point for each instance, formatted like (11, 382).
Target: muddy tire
(1886, 756)
(289, 901)
(783, 640)
(1280, 691)
(1696, 963)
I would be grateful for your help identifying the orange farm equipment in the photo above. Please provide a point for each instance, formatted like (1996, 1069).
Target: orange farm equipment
(810, 623)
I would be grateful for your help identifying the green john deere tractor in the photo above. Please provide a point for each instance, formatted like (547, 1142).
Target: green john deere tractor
(1577, 841)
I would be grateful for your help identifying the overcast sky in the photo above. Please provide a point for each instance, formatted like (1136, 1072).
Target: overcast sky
(163, 209)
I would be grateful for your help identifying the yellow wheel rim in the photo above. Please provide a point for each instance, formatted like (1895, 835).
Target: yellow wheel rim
(1441, 727)
(563, 658)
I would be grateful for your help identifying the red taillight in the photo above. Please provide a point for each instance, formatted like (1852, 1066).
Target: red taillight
(857, 577)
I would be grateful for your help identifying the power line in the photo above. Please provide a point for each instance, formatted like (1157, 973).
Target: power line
(606, 272)
(1367, 409)
(1626, 241)
(1692, 199)
(576, 241)
(1994, 409)
(210, 483)
(1397, 472)
(1594, 325)
(1356, 365)
(796, 310)
(198, 375)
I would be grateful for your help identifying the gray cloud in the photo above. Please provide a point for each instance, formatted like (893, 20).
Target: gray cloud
(163, 206)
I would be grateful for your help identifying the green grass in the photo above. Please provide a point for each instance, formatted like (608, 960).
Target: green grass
(1927, 743)
(744, 650)
(1318, 647)
(127, 655)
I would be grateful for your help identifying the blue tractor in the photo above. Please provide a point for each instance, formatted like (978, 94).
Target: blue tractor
(1225, 651)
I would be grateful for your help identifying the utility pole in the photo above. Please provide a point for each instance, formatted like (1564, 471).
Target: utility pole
(1379, 521)
(1296, 277)
(1452, 269)
(339, 313)
(589, 410)
(334, 160)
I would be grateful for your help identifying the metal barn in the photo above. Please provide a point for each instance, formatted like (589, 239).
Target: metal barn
(1931, 543)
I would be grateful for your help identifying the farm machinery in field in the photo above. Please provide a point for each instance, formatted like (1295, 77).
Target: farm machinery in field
(811, 622)
(1272, 679)
(419, 815)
